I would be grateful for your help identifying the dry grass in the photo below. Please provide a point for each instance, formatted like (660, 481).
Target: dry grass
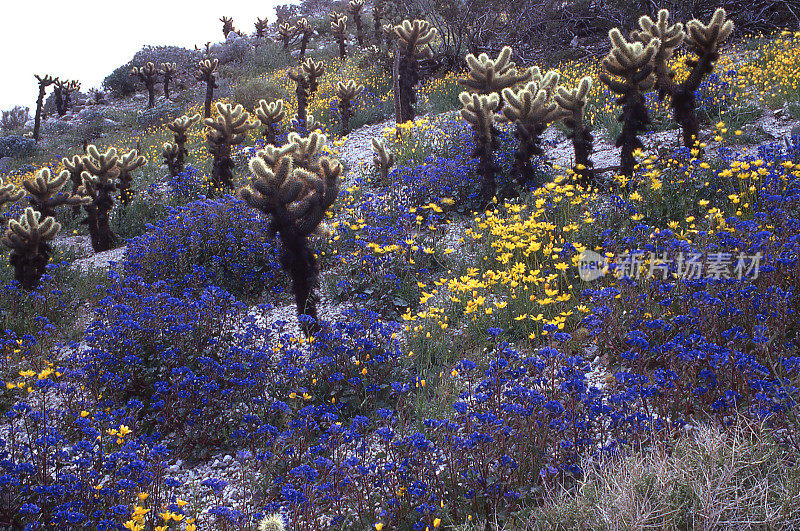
(710, 480)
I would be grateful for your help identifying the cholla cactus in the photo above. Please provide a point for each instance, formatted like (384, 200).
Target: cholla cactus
(72, 86)
(573, 109)
(167, 70)
(377, 27)
(127, 163)
(100, 185)
(296, 190)
(63, 89)
(303, 27)
(44, 82)
(29, 240)
(206, 74)
(479, 111)
(286, 32)
(270, 115)
(75, 168)
(701, 40)
(148, 74)
(313, 70)
(531, 109)
(261, 28)
(228, 129)
(301, 90)
(227, 26)
(179, 126)
(8, 194)
(347, 92)
(338, 28)
(388, 34)
(355, 7)
(632, 63)
(414, 40)
(273, 522)
(170, 153)
(487, 76)
(44, 192)
(383, 159)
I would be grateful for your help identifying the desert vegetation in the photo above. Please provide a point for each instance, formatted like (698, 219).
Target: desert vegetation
(448, 283)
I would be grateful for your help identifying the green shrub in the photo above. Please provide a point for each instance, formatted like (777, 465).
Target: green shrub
(248, 93)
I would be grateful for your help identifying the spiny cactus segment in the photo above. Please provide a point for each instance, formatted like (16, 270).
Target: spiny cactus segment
(573, 108)
(180, 126)
(100, 185)
(305, 30)
(531, 109)
(127, 163)
(227, 26)
(8, 194)
(414, 38)
(632, 62)
(313, 71)
(227, 130)
(167, 70)
(296, 190)
(702, 40)
(270, 115)
(206, 74)
(29, 241)
(347, 92)
(148, 74)
(355, 8)
(383, 159)
(486, 75)
(43, 82)
(261, 25)
(169, 151)
(479, 110)
(338, 28)
(44, 192)
(286, 32)
(302, 86)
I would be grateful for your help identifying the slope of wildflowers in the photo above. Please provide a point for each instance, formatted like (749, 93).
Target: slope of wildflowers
(474, 372)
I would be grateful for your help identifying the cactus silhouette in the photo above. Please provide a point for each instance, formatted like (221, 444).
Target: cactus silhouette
(270, 115)
(261, 28)
(573, 109)
(180, 126)
(414, 40)
(75, 168)
(355, 7)
(632, 63)
(382, 159)
(206, 74)
(44, 82)
(227, 26)
(531, 109)
(286, 32)
(703, 42)
(44, 192)
(303, 27)
(377, 26)
(302, 86)
(227, 130)
(486, 75)
(148, 74)
(479, 110)
(29, 240)
(62, 92)
(347, 92)
(313, 71)
(338, 28)
(167, 70)
(8, 194)
(127, 163)
(296, 187)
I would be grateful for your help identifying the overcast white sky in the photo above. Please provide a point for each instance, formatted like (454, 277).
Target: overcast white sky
(87, 39)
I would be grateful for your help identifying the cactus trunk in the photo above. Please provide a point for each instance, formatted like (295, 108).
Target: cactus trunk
(29, 268)
(167, 79)
(359, 30)
(209, 98)
(408, 78)
(60, 101)
(634, 118)
(304, 45)
(222, 170)
(299, 261)
(39, 106)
